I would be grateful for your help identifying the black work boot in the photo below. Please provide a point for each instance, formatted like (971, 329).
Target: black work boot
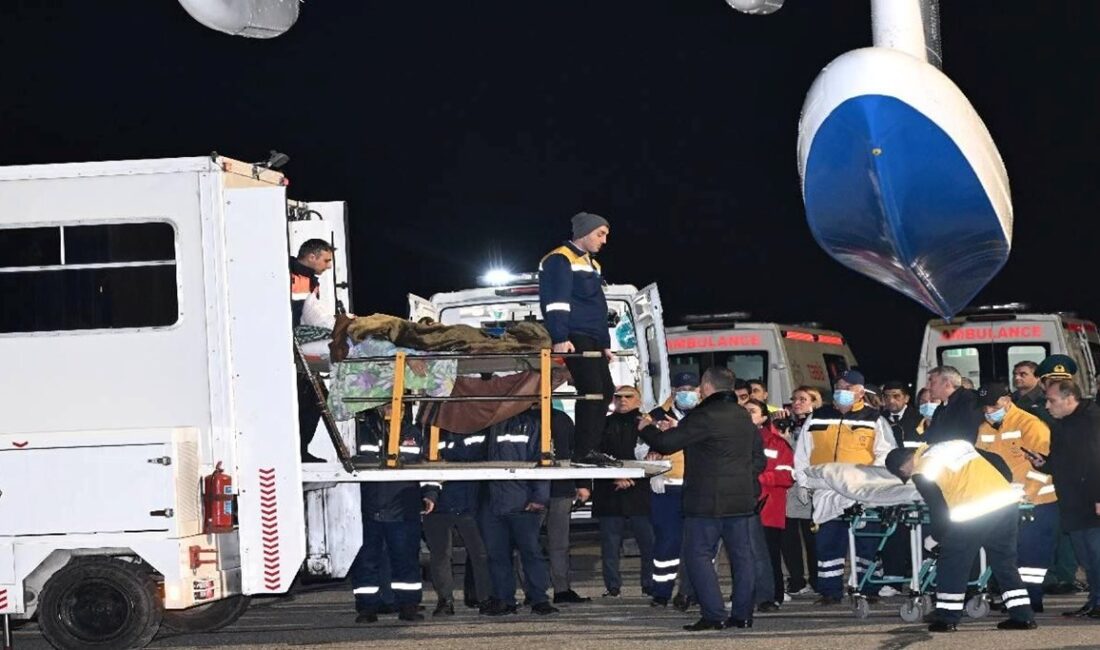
(444, 608)
(410, 613)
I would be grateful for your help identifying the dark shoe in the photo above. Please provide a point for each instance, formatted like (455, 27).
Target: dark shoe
(598, 459)
(1084, 610)
(310, 458)
(612, 593)
(526, 601)
(702, 625)
(570, 597)
(736, 622)
(1038, 608)
(683, 602)
(444, 608)
(940, 626)
(658, 602)
(544, 608)
(497, 608)
(471, 603)
(827, 601)
(386, 609)
(767, 606)
(366, 617)
(410, 613)
(1013, 624)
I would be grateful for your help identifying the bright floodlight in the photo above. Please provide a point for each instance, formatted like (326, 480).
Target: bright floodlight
(497, 277)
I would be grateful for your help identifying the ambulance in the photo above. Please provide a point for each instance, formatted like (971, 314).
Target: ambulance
(985, 343)
(783, 356)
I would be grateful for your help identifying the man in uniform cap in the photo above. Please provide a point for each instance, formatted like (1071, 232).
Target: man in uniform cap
(1056, 367)
(574, 310)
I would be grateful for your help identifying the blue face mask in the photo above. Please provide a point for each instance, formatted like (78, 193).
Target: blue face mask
(996, 417)
(686, 399)
(844, 397)
(927, 409)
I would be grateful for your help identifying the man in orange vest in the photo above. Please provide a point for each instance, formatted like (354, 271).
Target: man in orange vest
(314, 258)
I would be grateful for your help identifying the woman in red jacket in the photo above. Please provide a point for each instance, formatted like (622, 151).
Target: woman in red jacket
(774, 481)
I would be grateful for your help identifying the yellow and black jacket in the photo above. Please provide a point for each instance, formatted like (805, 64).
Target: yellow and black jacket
(859, 436)
(1021, 430)
(571, 295)
(960, 483)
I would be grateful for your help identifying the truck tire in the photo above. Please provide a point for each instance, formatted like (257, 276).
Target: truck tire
(99, 603)
(209, 617)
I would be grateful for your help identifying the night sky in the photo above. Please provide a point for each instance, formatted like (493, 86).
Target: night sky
(463, 133)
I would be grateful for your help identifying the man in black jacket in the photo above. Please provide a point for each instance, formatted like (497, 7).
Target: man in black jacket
(1029, 394)
(900, 414)
(1074, 462)
(723, 458)
(959, 415)
(620, 501)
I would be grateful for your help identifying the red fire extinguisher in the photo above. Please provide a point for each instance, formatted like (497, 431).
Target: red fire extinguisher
(218, 502)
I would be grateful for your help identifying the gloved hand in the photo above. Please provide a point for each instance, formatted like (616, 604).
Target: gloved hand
(657, 484)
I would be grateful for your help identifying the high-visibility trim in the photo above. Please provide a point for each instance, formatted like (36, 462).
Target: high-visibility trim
(364, 590)
(409, 450)
(583, 268)
(1032, 580)
(909, 444)
(830, 574)
(862, 424)
(1012, 435)
(771, 453)
(406, 586)
(472, 440)
(1033, 571)
(784, 467)
(950, 597)
(664, 564)
(1013, 593)
(951, 607)
(369, 448)
(825, 564)
(674, 482)
(1017, 602)
(558, 306)
(299, 296)
(984, 505)
(513, 437)
(988, 437)
(1046, 489)
(664, 577)
(442, 445)
(1038, 476)
(427, 483)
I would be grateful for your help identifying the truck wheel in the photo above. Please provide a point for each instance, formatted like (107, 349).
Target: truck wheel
(209, 617)
(99, 603)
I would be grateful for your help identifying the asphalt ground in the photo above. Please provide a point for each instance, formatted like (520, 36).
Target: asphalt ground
(323, 616)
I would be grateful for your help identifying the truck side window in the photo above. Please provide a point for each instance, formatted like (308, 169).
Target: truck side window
(109, 276)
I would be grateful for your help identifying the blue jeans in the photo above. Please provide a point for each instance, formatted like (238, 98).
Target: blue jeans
(399, 543)
(611, 542)
(1086, 546)
(502, 533)
(701, 543)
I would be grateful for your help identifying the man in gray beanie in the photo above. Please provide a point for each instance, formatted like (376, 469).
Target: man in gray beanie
(575, 313)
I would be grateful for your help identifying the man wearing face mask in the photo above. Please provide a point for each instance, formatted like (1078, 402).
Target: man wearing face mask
(847, 431)
(1007, 431)
(666, 505)
(927, 407)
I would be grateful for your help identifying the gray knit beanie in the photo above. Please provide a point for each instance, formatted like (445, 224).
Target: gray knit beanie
(586, 222)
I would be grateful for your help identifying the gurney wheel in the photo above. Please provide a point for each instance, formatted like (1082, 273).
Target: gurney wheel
(926, 604)
(912, 611)
(861, 608)
(977, 607)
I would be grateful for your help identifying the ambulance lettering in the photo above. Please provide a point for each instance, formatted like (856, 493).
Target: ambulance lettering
(993, 333)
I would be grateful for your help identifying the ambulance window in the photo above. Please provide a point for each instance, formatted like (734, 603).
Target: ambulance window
(88, 277)
(968, 361)
(695, 363)
(745, 365)
(1018, 353)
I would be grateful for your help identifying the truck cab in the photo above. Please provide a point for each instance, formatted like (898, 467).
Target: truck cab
(985, 343)
(783, 356)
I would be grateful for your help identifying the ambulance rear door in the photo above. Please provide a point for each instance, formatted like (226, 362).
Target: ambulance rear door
(815, 358)
(649, 330)
(327, 221)
(422, 308)
(750, 350)
(985, 348)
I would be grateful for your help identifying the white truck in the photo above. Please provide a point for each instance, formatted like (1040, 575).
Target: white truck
(147, 339)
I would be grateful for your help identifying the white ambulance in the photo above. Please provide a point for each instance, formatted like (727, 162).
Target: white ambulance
(985, 343)
(783, 356)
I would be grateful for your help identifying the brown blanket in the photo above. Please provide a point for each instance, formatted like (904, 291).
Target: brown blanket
(471, 417)
(521, 337)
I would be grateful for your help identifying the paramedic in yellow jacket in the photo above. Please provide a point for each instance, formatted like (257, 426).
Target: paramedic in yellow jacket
(1007, 431)
(847, 431)
(666, 508)
(971, 506)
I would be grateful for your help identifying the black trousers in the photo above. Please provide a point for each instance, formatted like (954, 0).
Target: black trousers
(798, 538)
(590, 376)
(774, 539)
(439, 534)
(996, 532)
(309, 412)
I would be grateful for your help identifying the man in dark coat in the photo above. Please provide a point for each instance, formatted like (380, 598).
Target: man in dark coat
(723, 456)
(959, 414)
(1074, 462)
(617, 502)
